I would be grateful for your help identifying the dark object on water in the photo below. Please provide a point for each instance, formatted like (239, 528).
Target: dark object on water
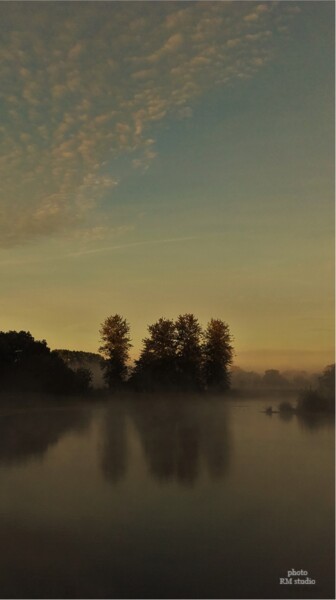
(270, 411)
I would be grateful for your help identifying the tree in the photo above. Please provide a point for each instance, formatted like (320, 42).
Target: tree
(156, 367)
(115, 347)
(28, 365)
(21, 360)
(217, 355)
(83, 379)
(78, 359)
(189, 352)
(326, 382)
(178, 356)
(274, 380)
(322, 398)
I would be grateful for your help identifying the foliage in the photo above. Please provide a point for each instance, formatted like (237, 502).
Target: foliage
(326, 382)
(29, 365)
(178, 356)
(311, 401)
(84, 379)
(189, 352)
(156, 367)
(78, 356)
(322, 398)
(115, 347)
(218, 355)
(93, 363)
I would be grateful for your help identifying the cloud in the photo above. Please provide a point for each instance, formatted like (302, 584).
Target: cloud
(78, 90)
(254, 15)
(185, 113)
(126, 246)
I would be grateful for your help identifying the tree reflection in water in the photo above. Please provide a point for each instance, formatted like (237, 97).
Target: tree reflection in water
(177, 438)
(28, 434)
(114, 443)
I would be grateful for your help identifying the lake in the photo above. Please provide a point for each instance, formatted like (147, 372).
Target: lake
(163, 498)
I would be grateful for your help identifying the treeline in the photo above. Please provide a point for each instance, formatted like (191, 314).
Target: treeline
(27, 365)
(271, 380)
(176, 356)
(77, 359)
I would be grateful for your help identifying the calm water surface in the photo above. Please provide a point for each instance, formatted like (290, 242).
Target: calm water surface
(154, 499)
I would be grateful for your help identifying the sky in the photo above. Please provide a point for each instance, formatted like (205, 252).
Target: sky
(158, 158)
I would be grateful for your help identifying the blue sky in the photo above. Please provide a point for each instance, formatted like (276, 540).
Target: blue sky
(159, 158)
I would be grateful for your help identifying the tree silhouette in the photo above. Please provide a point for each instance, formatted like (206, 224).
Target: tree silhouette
(91, 362)
(189, 352)
(217, 355)
(178, 356)
(115, 347)
(156, 367)
(29, 365)
(322, 398)
(326, 383)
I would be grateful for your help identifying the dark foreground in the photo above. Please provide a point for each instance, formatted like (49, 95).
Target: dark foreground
(165, 500)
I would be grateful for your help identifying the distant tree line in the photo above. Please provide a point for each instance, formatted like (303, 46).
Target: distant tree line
(176, 355)
(271, 380)
(320, 398)
(93, 362)
(28, 365)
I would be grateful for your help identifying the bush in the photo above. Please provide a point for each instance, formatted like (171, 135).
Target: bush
(313, 401)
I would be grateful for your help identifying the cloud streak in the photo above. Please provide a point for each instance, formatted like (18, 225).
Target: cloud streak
(84, 84)
(158, 242)
(98, 250)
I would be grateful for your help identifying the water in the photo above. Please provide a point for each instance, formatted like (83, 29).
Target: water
(158, 499)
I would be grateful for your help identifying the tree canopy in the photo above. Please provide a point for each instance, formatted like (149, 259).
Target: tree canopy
(29, 365)
(179, 355)
(156, 367)
(176, 356)
(217, 355)
(115, 347)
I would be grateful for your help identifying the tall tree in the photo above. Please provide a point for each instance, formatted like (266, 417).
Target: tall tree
(217, 355)
(189, 352)
(115, 337)
(156, 367)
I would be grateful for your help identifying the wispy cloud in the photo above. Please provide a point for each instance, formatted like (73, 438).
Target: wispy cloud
(12, 262)
(157, 242)
(81, 84)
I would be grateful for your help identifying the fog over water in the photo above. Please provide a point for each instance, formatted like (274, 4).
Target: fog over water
(153, 498)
